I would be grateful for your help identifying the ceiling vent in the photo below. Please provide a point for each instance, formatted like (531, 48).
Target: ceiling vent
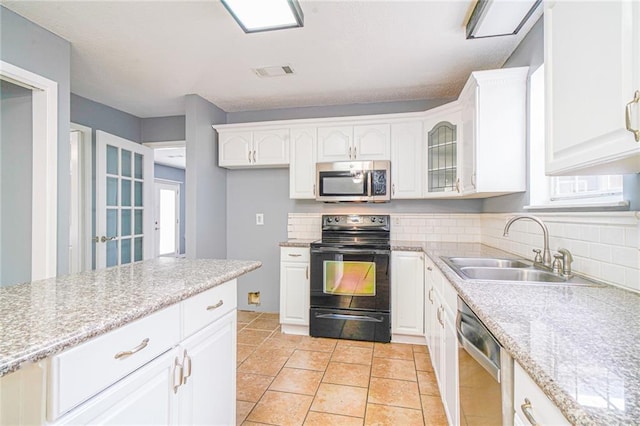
(275, 71)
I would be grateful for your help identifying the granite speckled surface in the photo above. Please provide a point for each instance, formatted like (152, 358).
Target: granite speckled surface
(581, 345)
(42, 318)
(296, 243)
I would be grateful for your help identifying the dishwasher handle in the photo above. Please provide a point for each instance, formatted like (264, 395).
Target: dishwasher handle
(475, 353)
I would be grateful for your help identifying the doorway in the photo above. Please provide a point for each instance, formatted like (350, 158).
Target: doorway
(167, 218)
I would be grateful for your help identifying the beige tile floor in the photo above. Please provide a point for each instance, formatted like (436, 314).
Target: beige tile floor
(301, 380)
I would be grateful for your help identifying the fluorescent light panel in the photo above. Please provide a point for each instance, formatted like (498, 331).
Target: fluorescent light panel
(491, 18)
(265, 15)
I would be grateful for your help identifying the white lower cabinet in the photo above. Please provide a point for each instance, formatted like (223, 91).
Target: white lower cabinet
(183, 373)
(441, 338)
(407, 295)
(530, 403)
(294, 290)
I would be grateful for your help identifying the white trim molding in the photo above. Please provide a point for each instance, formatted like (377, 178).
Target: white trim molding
(44, 194)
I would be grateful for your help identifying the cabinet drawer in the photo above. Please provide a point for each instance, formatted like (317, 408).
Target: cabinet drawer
(83, 371)
(294, 254)
(541, 408)
(206, 307)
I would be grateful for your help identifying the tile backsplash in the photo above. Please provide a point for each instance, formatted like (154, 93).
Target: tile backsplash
(604, 245)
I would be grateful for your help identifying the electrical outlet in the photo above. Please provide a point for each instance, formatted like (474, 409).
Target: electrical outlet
(253, 298)
(259, 218)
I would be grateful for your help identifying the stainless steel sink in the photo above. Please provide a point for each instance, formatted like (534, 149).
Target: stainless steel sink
(511, 270)
(488, 262)
(511, 274)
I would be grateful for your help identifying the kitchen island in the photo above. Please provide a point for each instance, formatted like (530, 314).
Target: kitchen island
(53, 318)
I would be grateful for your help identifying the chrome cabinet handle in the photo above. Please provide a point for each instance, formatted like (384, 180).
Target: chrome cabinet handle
(349, 153)
(254, 156)
(138, 348)
(526, 410)
(473, 180)
(439, 315)
(393, 189)
(627, 115)
(177, 368)
(216, 306)
(458, 185)
(306, 272)
(295, 254)
(431, 295)
(186, 368)
(314, 189)
(355, 152)
(249, 156)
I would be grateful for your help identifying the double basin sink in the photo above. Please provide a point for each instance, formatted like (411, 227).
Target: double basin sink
(510, 270)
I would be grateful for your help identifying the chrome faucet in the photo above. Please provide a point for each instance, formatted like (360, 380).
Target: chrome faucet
(567, 258)
(546, 254)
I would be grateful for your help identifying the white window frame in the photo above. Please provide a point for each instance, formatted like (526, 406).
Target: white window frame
(543, 189)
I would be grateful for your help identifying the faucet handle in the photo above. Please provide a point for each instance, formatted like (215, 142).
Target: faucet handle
(538, 257)
(557, 267)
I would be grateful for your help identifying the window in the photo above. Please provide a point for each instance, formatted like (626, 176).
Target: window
(559, 191)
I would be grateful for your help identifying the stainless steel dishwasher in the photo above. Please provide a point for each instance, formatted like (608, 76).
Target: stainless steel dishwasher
(485, 373)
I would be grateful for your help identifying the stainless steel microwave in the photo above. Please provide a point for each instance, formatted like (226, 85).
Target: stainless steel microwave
(354, 181)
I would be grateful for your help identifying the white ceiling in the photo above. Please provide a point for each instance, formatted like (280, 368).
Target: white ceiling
(142, 57)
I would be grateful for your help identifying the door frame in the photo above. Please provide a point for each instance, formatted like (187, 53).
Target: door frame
(85, 198)
(174, 185)
(44, 193)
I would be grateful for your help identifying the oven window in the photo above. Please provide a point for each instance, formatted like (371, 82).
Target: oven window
(349, 278)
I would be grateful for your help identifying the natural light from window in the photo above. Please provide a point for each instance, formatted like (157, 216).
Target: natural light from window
(561, 191)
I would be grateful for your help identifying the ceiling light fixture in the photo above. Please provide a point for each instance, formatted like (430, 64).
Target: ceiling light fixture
(492, 18)
(265, 15)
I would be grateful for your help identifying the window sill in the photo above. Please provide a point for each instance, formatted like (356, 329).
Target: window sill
(585, 206)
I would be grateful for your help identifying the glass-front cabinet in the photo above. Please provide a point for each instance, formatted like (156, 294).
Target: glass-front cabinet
(442, 136)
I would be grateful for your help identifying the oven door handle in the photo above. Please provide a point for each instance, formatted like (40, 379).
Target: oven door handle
(349, 317)
(348, 250)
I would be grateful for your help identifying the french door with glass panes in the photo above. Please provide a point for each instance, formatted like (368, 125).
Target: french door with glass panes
(124, 201)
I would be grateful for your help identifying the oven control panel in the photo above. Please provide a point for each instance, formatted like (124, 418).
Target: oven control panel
(357, 220)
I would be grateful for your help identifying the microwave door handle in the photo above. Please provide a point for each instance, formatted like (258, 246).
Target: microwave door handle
(369, 184)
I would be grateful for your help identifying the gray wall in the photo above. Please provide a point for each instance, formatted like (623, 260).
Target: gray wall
(16, 153)
(98, 116)
(28, 46)
(177, 175)
(206, 183)
(161, 129)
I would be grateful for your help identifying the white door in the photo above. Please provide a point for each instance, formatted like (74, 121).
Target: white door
(124, 201)
(167, 218)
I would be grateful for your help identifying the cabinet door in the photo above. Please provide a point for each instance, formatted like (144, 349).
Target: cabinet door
(335, 143)
(371, 142)
(407, 277)
(208, 393)
(442, 136)
(145, 397)
(294, 293)
(588, 82)
(540, 407)
(469, 119)
(449, 387)
(407, 160)
(270, 147)
(302, 168)
(234, 148)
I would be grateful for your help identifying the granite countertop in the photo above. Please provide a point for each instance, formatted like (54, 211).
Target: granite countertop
(296, 243)
(42, 318)
(581, 345)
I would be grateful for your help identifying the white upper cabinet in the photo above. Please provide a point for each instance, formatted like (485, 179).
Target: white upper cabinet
(372, 142)
(354, 143)
(335, 143)
(407, 160)
(443, 130)
(592, 75)
(302, 167)
(257, 148)
(494, 132)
